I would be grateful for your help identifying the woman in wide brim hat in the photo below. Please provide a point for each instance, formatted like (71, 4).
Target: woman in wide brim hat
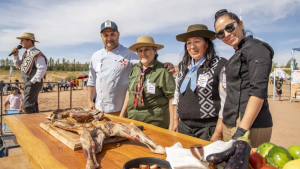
(197, 97)
(151, 87)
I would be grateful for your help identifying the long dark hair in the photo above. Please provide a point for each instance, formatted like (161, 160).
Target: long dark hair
(210, 54)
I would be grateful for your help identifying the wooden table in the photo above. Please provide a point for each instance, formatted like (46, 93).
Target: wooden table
(46, 152)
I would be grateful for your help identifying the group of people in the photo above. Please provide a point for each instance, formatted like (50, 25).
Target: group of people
(212, 98)
(48, 87)
(73, 83)
(9, 86)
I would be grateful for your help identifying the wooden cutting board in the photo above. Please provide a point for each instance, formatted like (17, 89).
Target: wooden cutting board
(70, 139)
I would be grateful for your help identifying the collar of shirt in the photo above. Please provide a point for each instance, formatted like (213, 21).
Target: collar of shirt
(201, 65)
(243, 41)
(116, 50)
(153, 65)
(28, 50)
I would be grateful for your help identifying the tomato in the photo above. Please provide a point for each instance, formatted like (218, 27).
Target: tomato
(257, 161)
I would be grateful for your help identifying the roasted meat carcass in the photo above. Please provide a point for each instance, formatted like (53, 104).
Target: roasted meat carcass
(93, 127)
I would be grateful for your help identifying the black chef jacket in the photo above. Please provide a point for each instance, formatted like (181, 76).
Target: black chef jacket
(247, 74)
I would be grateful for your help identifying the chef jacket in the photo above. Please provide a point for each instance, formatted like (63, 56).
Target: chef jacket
(247, 74)
(109, 72)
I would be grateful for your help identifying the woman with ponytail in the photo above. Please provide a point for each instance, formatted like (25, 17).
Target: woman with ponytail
(247, 74)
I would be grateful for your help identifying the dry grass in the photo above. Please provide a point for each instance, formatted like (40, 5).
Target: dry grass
(51, 75)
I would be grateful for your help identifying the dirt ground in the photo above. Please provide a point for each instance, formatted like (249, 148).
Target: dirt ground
(286, 115)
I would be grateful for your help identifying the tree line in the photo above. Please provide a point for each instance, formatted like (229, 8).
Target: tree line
(52, 65)
(72, 65)
(288, 65)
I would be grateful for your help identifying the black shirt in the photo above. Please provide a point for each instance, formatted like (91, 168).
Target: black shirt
(247, 74)
(278, 85)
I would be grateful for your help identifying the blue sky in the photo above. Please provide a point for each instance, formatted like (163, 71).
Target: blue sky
(71, 29)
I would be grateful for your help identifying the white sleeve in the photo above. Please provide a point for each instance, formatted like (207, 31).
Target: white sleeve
(17, 62)
(41, 66)
(92, 75)
(222, 90)
(176, 93)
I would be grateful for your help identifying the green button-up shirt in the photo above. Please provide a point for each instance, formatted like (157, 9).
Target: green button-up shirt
(156, 106)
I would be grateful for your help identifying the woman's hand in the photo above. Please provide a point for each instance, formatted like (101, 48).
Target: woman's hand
(171, 125)
(216, 136)
(175, 125)
(125, 105)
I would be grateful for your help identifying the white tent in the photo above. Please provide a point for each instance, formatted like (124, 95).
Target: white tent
(280, 74)
(296, 77)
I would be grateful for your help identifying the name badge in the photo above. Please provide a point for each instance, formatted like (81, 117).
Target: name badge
(98, 67)
(224, 81)
(151, 88)
(202, 80)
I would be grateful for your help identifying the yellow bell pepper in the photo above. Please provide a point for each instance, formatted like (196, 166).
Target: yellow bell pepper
(294, 164)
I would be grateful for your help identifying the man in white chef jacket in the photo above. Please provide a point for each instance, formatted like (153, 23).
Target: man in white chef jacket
(109, 71)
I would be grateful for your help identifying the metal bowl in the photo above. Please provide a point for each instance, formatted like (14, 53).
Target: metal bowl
(135, 163)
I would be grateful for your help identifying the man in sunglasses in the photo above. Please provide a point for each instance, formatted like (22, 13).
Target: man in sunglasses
(109, 71)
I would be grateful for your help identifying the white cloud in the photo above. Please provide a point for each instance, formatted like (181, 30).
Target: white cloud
(59, 23)
(290, 41)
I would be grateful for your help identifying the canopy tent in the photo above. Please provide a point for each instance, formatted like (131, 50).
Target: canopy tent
(280, 74)
(82, 76)
(294, 78)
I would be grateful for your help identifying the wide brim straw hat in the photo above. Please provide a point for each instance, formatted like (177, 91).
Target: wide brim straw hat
(29, 36)
(197, 30)
(145, 41)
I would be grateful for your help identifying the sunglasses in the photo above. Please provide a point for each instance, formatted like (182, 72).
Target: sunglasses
(228, 28)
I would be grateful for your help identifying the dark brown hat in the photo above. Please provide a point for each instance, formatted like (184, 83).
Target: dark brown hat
(197, 30)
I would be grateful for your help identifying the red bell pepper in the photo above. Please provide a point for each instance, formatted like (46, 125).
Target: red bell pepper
(268, 167)
(257, 161)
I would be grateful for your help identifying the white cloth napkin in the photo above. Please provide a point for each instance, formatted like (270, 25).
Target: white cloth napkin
(181, 158)
(216, 147)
